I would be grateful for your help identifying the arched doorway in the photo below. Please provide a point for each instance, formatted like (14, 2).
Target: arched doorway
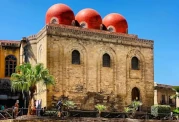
(135, 94)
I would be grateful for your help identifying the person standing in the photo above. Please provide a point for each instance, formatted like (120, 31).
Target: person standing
(16, 108)
(59, 107)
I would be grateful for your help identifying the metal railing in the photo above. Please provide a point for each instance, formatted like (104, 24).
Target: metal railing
(9, 114)
(6, 114)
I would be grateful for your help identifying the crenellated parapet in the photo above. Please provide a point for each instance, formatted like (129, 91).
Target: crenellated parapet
(32, 37)
(92, 34)
(36, 36)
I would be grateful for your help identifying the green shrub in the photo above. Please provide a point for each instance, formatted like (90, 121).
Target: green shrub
(160, 109)
(176, 111)
(133, 107)
(69, 104)
(100, 108)
(50, 113)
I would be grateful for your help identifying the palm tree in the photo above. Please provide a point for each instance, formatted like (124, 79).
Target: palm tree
(26, 77)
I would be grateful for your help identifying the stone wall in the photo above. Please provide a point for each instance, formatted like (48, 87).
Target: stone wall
(90, 83)
(42, 58)
(75, 81)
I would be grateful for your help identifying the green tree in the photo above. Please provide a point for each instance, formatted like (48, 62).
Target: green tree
(27, 76)
(175, 88)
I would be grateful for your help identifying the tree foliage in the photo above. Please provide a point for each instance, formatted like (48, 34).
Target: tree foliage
(27, 76)
(175, 88)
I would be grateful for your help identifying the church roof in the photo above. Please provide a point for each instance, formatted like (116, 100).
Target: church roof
(116, 22)
(86, 18)
(90, 18)
(60, 14)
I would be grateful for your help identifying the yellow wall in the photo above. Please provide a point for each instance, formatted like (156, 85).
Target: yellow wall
(5, 52)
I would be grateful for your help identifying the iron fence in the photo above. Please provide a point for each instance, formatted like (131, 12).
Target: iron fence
(9, 114)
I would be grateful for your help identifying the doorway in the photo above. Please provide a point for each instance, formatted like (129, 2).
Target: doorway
(135, 94)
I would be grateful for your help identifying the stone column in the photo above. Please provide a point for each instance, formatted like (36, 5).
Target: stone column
(177, 100)
(155, 94)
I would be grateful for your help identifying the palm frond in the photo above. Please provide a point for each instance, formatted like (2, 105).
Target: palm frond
(27, 76)
(100, 107)
(69, 104)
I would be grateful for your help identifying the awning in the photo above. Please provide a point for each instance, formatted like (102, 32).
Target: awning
(5, 97)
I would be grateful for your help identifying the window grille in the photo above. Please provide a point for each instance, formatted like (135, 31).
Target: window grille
(10, 65)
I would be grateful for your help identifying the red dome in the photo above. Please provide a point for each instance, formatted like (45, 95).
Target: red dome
(116, 23)
(60, 14)
(89, 18)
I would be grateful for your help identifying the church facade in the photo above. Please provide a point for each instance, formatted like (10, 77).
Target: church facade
(93, 60)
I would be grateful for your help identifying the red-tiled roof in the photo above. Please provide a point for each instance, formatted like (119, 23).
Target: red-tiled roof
(10, 41)
(164, 86)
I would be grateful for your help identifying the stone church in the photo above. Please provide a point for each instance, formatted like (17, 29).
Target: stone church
(93, 59)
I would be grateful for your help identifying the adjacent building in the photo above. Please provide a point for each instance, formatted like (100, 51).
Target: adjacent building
(163, 93)
(9, 59)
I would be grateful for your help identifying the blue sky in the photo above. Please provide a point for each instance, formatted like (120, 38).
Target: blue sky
(157, 20)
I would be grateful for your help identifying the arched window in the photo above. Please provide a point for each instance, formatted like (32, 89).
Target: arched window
(111, 29)
(10, 63)
(106, 60)
(54, 20)
(83, 25)
(135, 63)
(75, 57)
